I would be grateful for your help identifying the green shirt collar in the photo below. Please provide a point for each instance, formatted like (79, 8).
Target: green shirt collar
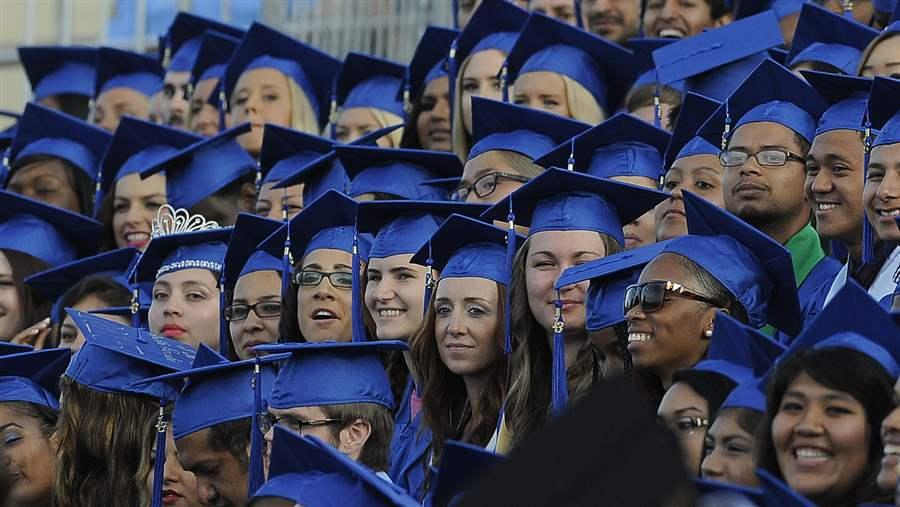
(806, 252)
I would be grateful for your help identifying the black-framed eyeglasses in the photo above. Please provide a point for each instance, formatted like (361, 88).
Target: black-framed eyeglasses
(169, 91)
(312, 278)
(652, 295)
(262, 309)
(484, 185)
(291, 423)
(685, 426)
(765, 158)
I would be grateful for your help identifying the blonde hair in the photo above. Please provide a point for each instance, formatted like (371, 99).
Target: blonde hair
(883, 36)
(382, 119)
(582, 105)
(303, 118)
(461, 140)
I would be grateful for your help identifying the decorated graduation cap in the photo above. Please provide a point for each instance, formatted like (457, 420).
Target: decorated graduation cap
(57, 70)
(610, 276)
(115, 356)
(753, 267)
(846, 97)
(309, 472)
(461, 465)
(560, 200)
(182, 241)
(860, 325)
(213, 54)
(54, 282)
(771, 94)
(369, 81)
(117, 68)
(332, 373)
(184, 37)
(685, 142)
(429, 62)
(396, 172)
(205, 167)
(527, 131)
(53, 235)
(715, 62)
(47, 132)
(33, 376)
(217, 391)
(265, 48)
(284, 151)
(623, 145)
(602, 67)
(138, 146)
(825, 37)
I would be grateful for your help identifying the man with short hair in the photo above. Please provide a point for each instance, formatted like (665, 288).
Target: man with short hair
(616, 20)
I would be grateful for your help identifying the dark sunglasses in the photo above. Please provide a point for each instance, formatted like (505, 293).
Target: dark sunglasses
(652, 295)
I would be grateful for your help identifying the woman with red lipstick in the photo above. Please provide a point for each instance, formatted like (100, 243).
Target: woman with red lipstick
(128, 204)
(179, 485)
(573, 218)
(827, 398)
(274, 78)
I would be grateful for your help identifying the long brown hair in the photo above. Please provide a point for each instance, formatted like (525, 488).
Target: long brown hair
(105, 441)
(528, 402)
(444, 397)
(34, 306)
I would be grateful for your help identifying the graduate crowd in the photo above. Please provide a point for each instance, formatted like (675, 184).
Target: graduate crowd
(574, 252)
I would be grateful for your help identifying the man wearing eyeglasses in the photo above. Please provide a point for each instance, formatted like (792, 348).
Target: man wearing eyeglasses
(764, 159)
(337, 392)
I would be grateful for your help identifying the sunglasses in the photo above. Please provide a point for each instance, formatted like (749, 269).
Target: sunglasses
(652, 295)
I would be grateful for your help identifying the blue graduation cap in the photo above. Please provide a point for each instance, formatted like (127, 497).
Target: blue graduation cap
(54, 282)
(445, 185)
(402, 227)
(117, 68)
(884, 110)
(183, 39)
(7, 348)
(623, 145)
(395, 171)
(213, 54)
(33, 376)
(495, 24)
(780, 8)
(462, 464)
(6, 138)
(138, 146)
(716, 61)
(332, 373)
(285, 151)
(167, 253)
(610, 276)
(325, 172)
(603, 68)
(47, 132)
(756, 269)
(311, 473)
(685, 142)
(776, 492)
(53, 235)
(57, 70)
(243, 256)
(560, 200)
(369, 81)
(264, 47)
(846, 97)
(205, 167)
(771, 93)
(429, 62)
(724, 493)
(527, 131)
(860, 325)
(825, 37)
(463, 247)
(115, 355)
(643, 48)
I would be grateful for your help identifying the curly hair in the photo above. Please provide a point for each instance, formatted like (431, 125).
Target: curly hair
(105, 441)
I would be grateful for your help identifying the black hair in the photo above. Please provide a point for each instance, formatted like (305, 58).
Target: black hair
(845, 370)
(711, 386)
(104, 287)
(233, 437)
(74, 104)
(34, 306)
(82, 184)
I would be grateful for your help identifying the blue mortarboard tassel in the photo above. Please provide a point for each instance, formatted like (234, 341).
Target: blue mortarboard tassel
(578, 21)
(504, 84)
(848, 8)
(452, 67)
(358, 329)
(868, 233)
(559, 394)
(727, 129)
(657, 111)
(286, 263)
(570, 163)
(257, 476)
(223, 324)
(333, 112)
(510, 255)
(159, 465)
(455, 6)
(430, 282)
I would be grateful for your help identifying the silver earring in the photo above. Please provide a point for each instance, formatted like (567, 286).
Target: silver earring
(708, 333)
